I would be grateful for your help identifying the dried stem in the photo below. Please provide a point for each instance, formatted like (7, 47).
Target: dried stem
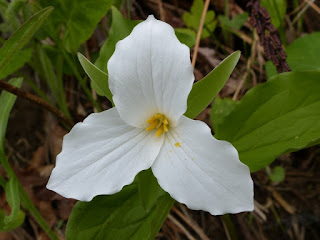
(36, 100)
(161, 10)
(195, 51)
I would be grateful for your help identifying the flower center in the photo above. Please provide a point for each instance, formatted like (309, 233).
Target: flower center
(159, 122)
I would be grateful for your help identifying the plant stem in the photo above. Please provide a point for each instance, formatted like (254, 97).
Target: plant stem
(195, 51)
(37, 100)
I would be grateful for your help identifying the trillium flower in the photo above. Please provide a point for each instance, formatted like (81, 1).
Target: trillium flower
(150, 77)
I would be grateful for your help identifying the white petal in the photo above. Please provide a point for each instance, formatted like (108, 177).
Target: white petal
(150, 72)
(101, 155)
(203, 172)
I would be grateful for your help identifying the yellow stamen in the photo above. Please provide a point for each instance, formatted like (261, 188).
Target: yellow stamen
(159, 122)
(159, 132)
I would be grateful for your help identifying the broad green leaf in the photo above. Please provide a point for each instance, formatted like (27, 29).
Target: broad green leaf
(205, 90)
(192, 18)
(98, 78)
(303, 54)
(17, 40)
(118, 216)
(277, 10)
(6, 103)
(13, 198)
(277, 175)
(186, 36)
(271, 69)
(81, 19)
(13, 224)
(221, 108)
(149, 189)
(120, 28)
(234, 23)
(276, 117)
(16, 62)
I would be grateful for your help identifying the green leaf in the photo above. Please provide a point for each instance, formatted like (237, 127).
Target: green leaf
(276, 117)
(205, 90)
(303, 53)
(192, 19)
(277, 175)
(149, 189)
(120, 28)
(118, 216)
(17, 40)
(98, 78)
(81, 19)
(6, 103)
(277, 10)
(13, 224)
(221, 108)
(16, 62)
(13, 198)
(234, 23)
(186, 36)
(55, 84)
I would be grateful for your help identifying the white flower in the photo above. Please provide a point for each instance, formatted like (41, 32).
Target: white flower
(150, 77)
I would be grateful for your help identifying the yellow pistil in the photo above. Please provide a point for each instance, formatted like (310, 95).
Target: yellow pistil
(159, 122)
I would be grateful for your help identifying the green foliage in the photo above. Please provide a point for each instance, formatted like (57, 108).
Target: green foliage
(119, 216)
(81, 20)
(19, 61)
(277, 10)
(54, 82)
(17, 40)
(220, 109)
(98, 78)
(16, 217)
(303, 54)
(78, 19)
(6, 103)
(13, 198)
(279, 116)
(120, 28)
(192, 19)
(149, 189)
(234, 23)
(186, 36)
(277, 175)
(16, 222)
(205, 90)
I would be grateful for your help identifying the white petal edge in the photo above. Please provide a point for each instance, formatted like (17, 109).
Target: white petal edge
(150, 72)
(202, 172)
(101, 155)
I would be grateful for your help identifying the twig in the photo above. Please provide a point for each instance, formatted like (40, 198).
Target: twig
(191, 223)
(36, 100)
(178, 224)
(313, 5)
(162, 14)
(302, 11)
(248, 67)
(195, 51)
(277, 196)
(226, 229)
